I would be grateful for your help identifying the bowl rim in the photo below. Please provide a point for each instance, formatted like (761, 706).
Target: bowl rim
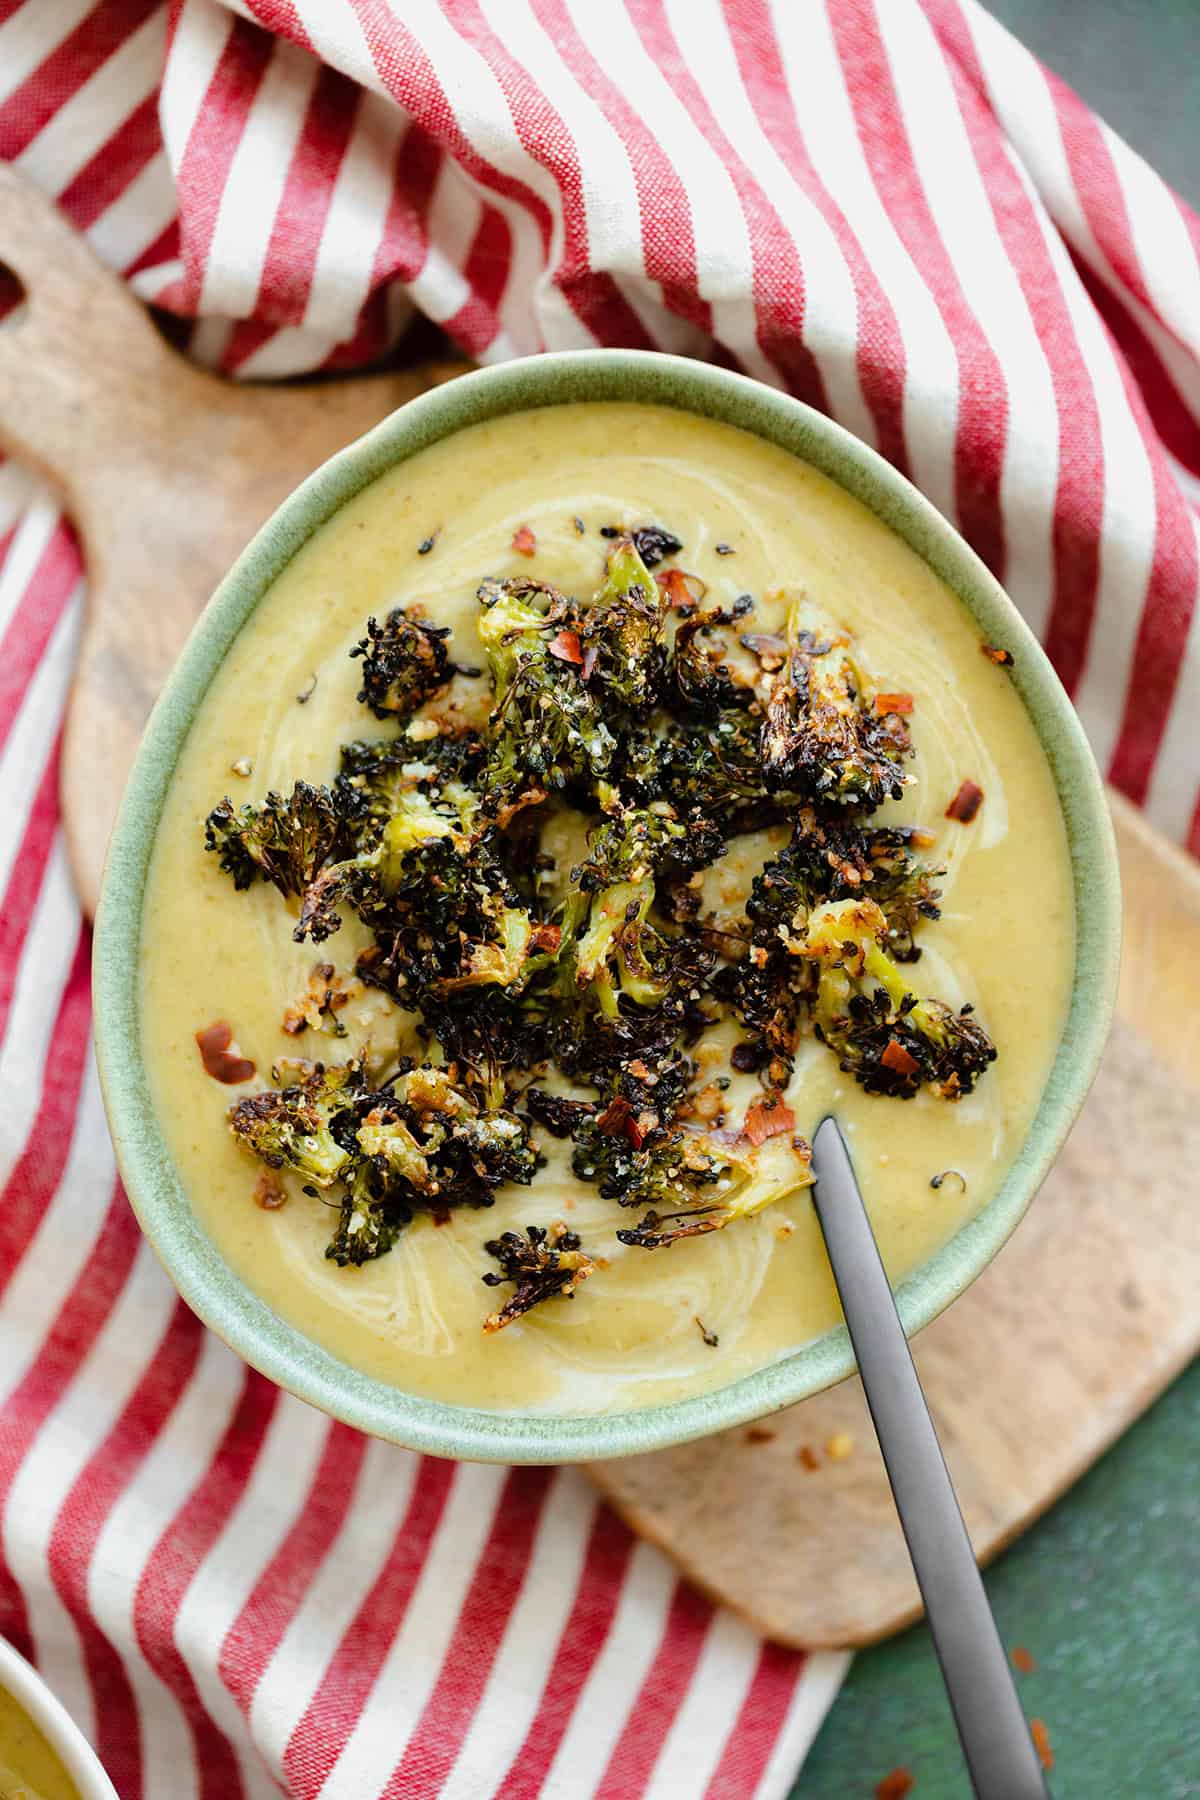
(34, 1695)
(210, 1287)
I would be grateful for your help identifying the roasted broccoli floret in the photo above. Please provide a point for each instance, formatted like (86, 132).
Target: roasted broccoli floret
(626, 1146)
(421, 1142)
(633, 842)
(637, 1153)
(621, 633)
(622, 954)
(541, 1265)
(711, 768)
(396, 808)
(449, 925)
(369, 1218)
(702, 679)
(404, 663)
(823, 735)
(292, 1126)
(376, 774)
(713, 1186)
(827, 858)
(429, 1136)
(547, 725)
(890, 1040)
(283, 841)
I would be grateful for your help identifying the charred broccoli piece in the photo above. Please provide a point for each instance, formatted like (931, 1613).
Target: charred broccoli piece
(827, 858)
(541, 1265)
(404, 663)
(654, 543)
(374, 775)
(823, 735)
(621, 633)
(890, 1040)
(293, 1126)
(633, 842)
(709, 768)
(427, 1136)
(369, 1220)
(448, 922)
(421, 1142)
(561, 1116)
(622, 955)
(626, 1146)
(702, 681)
(399, 809)
(712, 1186)
(546, 725)
(283, 841)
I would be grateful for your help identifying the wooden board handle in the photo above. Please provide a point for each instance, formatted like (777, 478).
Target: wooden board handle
(76, 361)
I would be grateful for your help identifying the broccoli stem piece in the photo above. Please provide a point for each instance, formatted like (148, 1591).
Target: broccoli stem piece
(745, 1180)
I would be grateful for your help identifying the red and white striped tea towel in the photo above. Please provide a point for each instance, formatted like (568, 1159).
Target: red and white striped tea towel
(889, 208)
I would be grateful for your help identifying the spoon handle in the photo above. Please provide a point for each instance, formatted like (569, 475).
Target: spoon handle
(999, 1752)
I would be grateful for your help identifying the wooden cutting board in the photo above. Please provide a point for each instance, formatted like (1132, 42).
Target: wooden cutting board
(1088, 1312)
(1084, 1317)
(167, 472)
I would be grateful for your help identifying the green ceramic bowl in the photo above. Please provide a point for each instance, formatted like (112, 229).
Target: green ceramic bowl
(202, 1277)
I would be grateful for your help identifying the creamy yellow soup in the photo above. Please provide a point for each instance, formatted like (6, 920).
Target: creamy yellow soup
(633, 1334)
(29, 1768)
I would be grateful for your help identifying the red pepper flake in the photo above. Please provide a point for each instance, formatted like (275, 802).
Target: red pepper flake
(1022, 1660)
(767, 1118)
(566, 647)
(893, 703)
(546, 937)
(807, 1457)
(759, 1434)
(612, 1119)
(682, 592)
(1002, 658)
(895, 1786)
(268, 1192)
(524, 542)
(617, 1120)
(1041, 1742)
(221, 1061)
(897, 1058)
(966, 803)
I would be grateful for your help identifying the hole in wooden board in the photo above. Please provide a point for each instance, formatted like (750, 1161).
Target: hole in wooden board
(13, 306)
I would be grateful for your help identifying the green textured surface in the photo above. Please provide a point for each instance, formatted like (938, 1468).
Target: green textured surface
(1105, 1594)
(203, 1278)
(1138, 65)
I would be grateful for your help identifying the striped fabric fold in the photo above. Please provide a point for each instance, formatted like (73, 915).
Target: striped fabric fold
(887, 207)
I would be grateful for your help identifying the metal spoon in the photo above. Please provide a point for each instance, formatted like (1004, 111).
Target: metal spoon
(999, 1751)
